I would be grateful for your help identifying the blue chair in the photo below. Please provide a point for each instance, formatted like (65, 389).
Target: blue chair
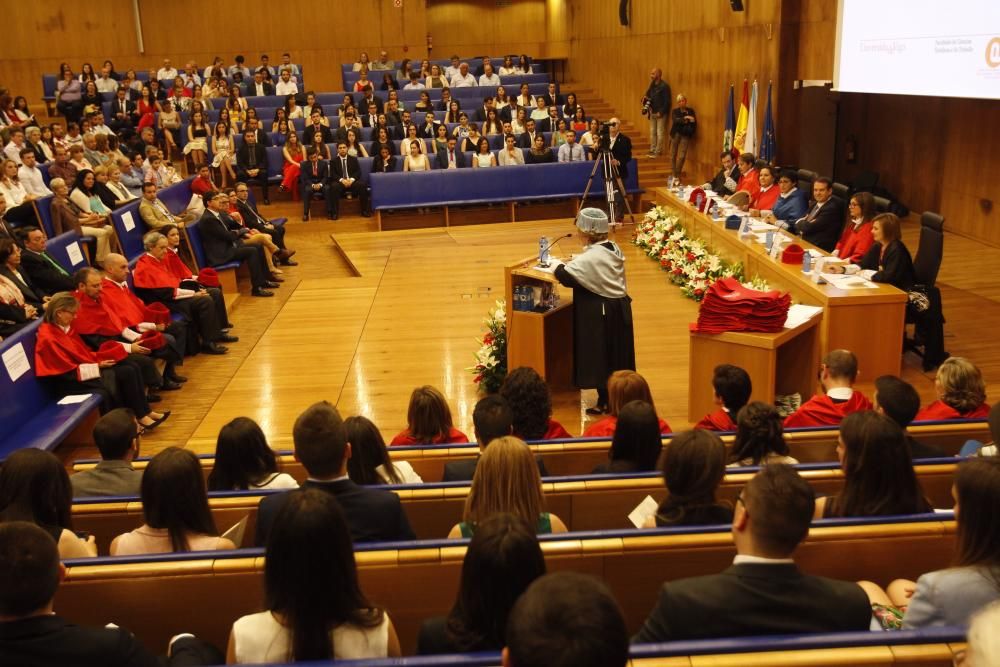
(43, 210)
(129, 228)
(66, 250)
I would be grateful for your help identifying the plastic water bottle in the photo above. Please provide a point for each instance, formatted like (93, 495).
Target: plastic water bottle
(529, 298)
(807, 262)
(699, 200)
(769, 240)
(543, 251)
(518, 297)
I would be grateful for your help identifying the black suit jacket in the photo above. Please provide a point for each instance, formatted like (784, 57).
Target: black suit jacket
(219, 237)
(373, 515)
(442, 159)
(553, 101)
(755, 599)
(366, 120)
(263, 138)
(427, 131)
(364, 102)
(378, 166)
(252, 218)
(243, 158)
(306, 178)
(548, 125)
(31, 295)
(129, 110)
(43, 641)
(895, 267)
(622, 151)
(441, 105)
(337, 168)
(307, 134)
(718, 183)
(43, 276)
(824, 229)
(250, 88)
(524, 139)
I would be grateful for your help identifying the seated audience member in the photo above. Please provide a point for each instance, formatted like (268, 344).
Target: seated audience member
(539, 153)
(116, 435)
(222, 240)
(900, 402)
(725, 182)
(878, 472)
(760, 438)
(67, 366)
(693, 465)
(636, 444)
(321, 445)
(570, 151)
(370, 462)
(564, 619)
(452, 158)
(510, 155)
(345, 178)
(501, 561)
(153, 211)
(175, 510)
(950, 597)
(313, 182)
(961, 392)
(14, 277)
(507, 480)
(763, 592)
(314, 606)
(732, 387)
(531, 404)
(428, 420)
(45, 273)
(982, 641)
(31, 176)
(67, 216)
(34, 487)
(253, 220)
(623, 386)
(33, 635)
(251, 163)
(821, 226)
(856, 239)
(837, 374)
(244, 460)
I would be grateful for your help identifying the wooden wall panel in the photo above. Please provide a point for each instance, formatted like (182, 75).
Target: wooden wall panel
(486, 27)
(702, 47)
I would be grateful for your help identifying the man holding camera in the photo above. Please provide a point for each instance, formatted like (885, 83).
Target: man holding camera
(656, 105)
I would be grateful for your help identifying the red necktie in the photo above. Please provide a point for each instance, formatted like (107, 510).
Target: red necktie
(315, 167)
(451, 154)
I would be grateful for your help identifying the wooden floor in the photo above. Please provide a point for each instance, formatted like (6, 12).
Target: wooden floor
(414, 314)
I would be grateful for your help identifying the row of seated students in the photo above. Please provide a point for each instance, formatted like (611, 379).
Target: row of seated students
(314, 608)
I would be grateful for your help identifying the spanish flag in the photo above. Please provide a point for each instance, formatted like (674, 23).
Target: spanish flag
(739, 140)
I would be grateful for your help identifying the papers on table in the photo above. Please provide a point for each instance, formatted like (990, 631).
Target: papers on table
(643, 511)
(73, 399)
(848, 282)
(16, 362)
(762, 227)
(800, 314)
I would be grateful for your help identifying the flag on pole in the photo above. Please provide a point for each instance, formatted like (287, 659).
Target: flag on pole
(768, 144)
(740, 136)
(750, 143)
(727, 133)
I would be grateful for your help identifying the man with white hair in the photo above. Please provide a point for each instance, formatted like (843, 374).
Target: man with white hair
(656, 103)
(464, 78)
(682, 130)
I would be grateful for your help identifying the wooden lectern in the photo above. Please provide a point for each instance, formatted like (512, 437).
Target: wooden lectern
(541, 340)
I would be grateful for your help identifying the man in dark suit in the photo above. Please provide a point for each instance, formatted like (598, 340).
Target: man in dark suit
(552, 99)
(254, 220)
(370, 98)
(345, 177)
(320, 442)
(527, 138)
(452, 158)
(369, 116)
(257, 86)
(315, 125)
(763, 592)
(32, 635)
(122, 112)
(824, 222)
(220, 237)
(445, 100)
(313, 181)
(351, 122)
(725, 182)
(483, 112)
(492, 419)
(251, 163)
(621, 155)
(263, 138)
(550, 124)
(428, 130)
(45, 273)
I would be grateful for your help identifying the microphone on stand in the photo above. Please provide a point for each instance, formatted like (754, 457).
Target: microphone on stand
(549, 247)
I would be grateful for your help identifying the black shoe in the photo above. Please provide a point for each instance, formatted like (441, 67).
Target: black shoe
(305, 218)
(174, 377)
(335, 216)
(153, 398)
(270, 284)
(276, 279)
(226, 338)
(214, 348)
(260, 291)
(157, 422)
(289, 262)
(267, 202)
(366, 214)
(169, 385)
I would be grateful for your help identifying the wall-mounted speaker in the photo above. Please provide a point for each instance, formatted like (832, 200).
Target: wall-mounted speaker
(736, 5)
(623, 7)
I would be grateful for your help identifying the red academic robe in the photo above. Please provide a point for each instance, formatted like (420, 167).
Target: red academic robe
(122, 300)
(177, 266)
(606, 428)
(821, 410)
(854, 243)
(404, 438)
(58, 352)
(764, 201)
(939, 410)
(749, 182)
(552, 431)
(720, 420)
(150, 273)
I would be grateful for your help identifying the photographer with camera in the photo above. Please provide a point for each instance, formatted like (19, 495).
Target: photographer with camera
(620, 147)
(681, 130)
(656, 106)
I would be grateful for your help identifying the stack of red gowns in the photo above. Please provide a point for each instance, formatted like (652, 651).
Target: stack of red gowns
(729, 306)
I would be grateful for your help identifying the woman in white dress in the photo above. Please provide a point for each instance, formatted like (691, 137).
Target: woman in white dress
(483, 157)
(524, 100)
(416, 160)
(197, 139)
(315, 607)
(508, 68)
(517, 125)
(370, 462)
(223, 152)
(540, 112)
(354, 147)
(244, 460)
(412, 138)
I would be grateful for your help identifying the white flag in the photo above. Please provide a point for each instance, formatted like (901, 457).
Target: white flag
(750, 143)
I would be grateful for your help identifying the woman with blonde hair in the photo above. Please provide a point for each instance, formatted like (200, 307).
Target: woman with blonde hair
(507, 480)
(428, 420)
(961, 393)
(623, 387)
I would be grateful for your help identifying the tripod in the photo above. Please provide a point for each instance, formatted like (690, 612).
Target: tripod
(612, 181)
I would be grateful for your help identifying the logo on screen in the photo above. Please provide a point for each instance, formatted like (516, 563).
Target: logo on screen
(993, 52)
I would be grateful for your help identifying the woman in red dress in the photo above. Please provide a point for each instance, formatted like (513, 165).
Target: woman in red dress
(294, 153)
(146, 109)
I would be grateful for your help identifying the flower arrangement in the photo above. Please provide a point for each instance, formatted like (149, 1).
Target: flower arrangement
(689, 263)
(491, 359)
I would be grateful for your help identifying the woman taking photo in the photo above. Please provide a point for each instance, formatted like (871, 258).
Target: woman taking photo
(244, 460)
(760, 437)
(174, 509)
(961, 393)
(693, 465)
(501, 561)
(529, 399)
(34, 487)
(857, 238)
(637, 443)
(878, 471)
(428, 420)
(294, 154)
(314, 607)
(507, 481)
(370, 462)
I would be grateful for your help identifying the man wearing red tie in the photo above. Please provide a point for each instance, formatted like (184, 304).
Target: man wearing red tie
(451, 158)
(313, 183)
(345, 178)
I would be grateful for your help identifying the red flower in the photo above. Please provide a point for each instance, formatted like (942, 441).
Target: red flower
(690, 257)
(488, 339)
(699, 292)
(678, 271)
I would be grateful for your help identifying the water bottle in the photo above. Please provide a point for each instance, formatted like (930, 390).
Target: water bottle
(699, 200)
(517, 297)
(543, 251)
(769, 240)
(529, 298)
(807, 262)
